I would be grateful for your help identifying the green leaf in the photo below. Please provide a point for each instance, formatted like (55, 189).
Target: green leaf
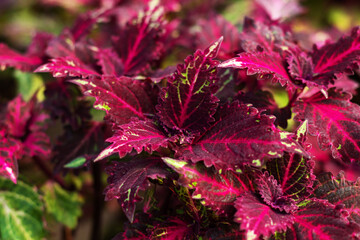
(20, 211)
(75, 163)
(28, 84)
(64, 206)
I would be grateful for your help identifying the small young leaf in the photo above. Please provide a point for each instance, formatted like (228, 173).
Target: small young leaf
(63, 205)
(20, 212)
(75, 163)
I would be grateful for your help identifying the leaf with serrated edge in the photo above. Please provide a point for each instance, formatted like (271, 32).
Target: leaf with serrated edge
(216, 188)
(139, 135)
(337, 190)
(10, 152)
(63, 205)
(240, 135)
(344, 55)
(122, 98)
(257, 218)
(335, 121)
(187, 102)
(20, 211)
(127, 178)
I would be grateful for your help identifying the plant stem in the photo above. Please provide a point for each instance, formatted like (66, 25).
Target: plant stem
(98, 201)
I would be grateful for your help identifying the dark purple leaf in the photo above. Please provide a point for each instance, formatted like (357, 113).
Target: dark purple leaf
(10, 152)
(139, 42)
(127, 178)
(175, 229)
(272, 193)
(214, 27)
(293, 173)
(187, 103)
(335, 121)
(267, 66)
(139, 135)
(318, 219)
(215, 187)
(122, 98)
(300, 67)
(342, 56)
(257, 218)
(109, 61)
(240, 135)
(337, 190)
(18, 113)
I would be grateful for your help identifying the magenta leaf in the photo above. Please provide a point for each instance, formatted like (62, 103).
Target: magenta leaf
(122, 98)
(28, 61)
(127, 178)
(337, 190)
(293, 173)
(240, 135)
(139, 42)
(257, 218)
(267, 66)
(139, 135)
(318, 219)
(342, 56)
(300, 67)
(216, 188)
(10, 152)
(272, 193)
(67, 66)
(187, 102)
(335, 121)
(18, 113)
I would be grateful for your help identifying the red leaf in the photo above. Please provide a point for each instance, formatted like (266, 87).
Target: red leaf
(335, 121)
(216, 188)
(122, 98)
(10, 152)
(138, 135)
(139, 42)
(126, 178)
(258, 219)
(267, 66)
(337, 190)
(293, 172)
(240, 135)
(187, 103)
(109, 61)
(319, 219)
(344, 55)
(18, 113)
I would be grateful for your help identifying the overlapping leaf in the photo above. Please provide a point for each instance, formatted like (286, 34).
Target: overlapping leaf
(336, 122)
(17, 116)
(344, 55)
(139, 135)
(257, 218)
(216, 188)
(318, 219)
(139, 42)
(337, 190)
(109, 61)
(293, 173)
(272, 193)
(267, 66)
(127, 178)
(122, 98)
(10, 152)
(240, 135)
(187, 103)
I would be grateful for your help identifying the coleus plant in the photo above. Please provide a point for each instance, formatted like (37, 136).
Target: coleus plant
(198, 148)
